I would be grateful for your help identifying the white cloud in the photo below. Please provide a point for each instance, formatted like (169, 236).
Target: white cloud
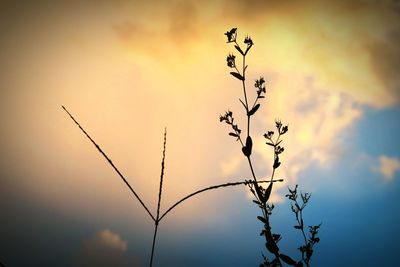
(110, 239)
(316, 117)
(388, 167)
(105, 248)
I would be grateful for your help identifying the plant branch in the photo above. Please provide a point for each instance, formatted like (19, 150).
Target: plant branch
(210, 188)
(162, 174)
(154, 242)
(159, 198)
(111, 163)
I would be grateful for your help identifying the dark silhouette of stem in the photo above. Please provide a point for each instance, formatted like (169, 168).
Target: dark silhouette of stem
(154, 243)
(111, 163)
(252, 170)
(162, 174)
(159, 199)
(244, 91)
(210, 188)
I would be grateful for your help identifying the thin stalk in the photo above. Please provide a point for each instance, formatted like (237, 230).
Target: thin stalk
(154, 243)
(207, 189)
(245, 96)
(301, 223)
(252, 170)
(156, 222)
(302, 227)
(111, 163)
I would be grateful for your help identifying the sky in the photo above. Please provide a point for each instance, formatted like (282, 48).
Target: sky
(128, 69)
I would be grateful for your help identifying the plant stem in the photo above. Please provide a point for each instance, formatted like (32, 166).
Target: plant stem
(207, 189)
(245, 96)
(154, 242)
(251, 168)
(156, 222)
(111, 163)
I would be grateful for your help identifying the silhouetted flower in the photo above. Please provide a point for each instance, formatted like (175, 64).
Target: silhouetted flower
(236, 128)
(284, 129)
(231, 35)
(227, 117)
(279, 150)
(292, 195)
(260, 82)
(305, 197)
(260, 85)
(248, 41)
(230, 59)
(278, 124)
(269, 134)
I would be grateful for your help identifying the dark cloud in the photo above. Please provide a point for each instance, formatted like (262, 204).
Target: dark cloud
(385, 56)
(183, 19)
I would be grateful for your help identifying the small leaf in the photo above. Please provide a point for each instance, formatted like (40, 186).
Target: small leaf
(272, 247)
(276, 163)
(297, 227)
(287, 259)
(247, 148)
(261, 219)
(253, 110)
(246, 151)
(237, 75)
(249, 143)
(239, 49)
(268, 192)
(257, 202)
(233, 134)
(270, 144)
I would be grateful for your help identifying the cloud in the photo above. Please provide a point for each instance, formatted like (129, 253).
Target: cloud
(105, 248)
(323, 62)
(109, 239)
(349, 46)
(316, 118)
(177, 26)
(388, 167)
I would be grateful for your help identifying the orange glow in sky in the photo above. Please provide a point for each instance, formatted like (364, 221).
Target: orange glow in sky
(128, 69)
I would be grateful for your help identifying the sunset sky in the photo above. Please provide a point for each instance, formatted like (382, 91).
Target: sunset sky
(128, 69)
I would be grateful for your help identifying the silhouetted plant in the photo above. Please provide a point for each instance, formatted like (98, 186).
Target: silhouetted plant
(261, 194)
(297, 208)
(157, 219)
